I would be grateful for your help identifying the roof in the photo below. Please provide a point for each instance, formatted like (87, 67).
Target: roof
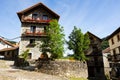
(107, 50)
(114, 33)
(89, 33)
(8, 49)
(35, 6)
(6, 42)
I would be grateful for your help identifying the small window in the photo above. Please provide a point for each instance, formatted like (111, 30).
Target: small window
(34, 16)
(33, 29)
(45, 28)
(118, 37)
(112, 41)
(45, 17)
(114, 53)
(29, 55)
(119, 49)
(32, 41)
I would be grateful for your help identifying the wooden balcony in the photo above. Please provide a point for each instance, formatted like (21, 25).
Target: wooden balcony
(35, 33)
(37, 20)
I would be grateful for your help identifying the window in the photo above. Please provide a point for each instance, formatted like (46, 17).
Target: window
(114, 53)
(112, 41)
(119, 49)
(29, 55)
(33, 29)
(45, 17)
(118, 37)
(34, 16)
(32, 41)
(45, 28)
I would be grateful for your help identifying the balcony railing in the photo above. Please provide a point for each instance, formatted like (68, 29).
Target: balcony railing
(28, 32)
(37, 20)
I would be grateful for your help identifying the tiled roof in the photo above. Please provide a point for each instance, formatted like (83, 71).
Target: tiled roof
(9, 49)
(114, 33)
(89, 33)
(107, 50)
(35, 6)
(6, 42)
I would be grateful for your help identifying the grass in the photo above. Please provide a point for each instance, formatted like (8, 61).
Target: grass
(73, 78)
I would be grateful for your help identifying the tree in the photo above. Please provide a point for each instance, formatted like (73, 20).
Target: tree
(104, 43)
(54, 43)
(78, 42)
(24, 54)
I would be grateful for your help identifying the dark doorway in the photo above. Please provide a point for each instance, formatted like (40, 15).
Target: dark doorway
(29, 55)
(91, 72)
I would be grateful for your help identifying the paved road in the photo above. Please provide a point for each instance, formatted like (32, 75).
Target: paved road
(7, 72)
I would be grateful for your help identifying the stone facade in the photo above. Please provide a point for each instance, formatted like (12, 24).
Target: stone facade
(114, 59)
(34, 21)
(95, 59)
(64, 68)
(114, 43)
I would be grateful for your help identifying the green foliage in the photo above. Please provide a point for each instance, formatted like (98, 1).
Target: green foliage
(78, 42)
(13, 42)
(104, 44)
(25, 54)
(54, 43)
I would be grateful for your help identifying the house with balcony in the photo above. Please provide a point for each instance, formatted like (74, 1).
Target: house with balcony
(114, 58)
(34, 21)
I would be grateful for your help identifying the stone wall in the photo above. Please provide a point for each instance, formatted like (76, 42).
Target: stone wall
(64, 68)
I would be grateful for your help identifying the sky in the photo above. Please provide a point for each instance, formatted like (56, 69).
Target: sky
(100, 17)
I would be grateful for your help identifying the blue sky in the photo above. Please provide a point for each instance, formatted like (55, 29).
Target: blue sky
(101, 17)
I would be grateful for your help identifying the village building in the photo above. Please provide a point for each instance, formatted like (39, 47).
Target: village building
(8, 50)
(114, 59)
(95, 58)
(5, 44)
(34, 21)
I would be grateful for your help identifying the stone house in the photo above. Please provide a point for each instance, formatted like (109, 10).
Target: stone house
(95, 58)
(114, 59)
(34, 21)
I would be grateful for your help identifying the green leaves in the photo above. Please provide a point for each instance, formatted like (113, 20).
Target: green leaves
(78, 42)
(25, 54)
(55, 40)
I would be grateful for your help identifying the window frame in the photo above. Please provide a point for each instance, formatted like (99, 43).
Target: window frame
(118, 37)
(33, 29)
(34, 16)
(45, 17)
(32, 41)
(112, 41)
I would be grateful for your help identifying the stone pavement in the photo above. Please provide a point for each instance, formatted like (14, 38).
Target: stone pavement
(7, 72)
